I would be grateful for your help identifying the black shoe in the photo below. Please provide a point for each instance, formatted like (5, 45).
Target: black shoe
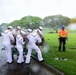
(9, 62)
(42, 60)
(22, 62)
(19, 63)
(27, 63)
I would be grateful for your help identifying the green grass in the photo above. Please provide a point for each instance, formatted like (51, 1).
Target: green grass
(67, 66)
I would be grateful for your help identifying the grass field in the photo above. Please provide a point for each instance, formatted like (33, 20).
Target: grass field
(67, 66)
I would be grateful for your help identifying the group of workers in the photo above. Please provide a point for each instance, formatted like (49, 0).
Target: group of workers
(15, 37)
(33, 40)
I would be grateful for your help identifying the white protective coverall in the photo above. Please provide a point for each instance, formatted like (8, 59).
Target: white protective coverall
(33, 38)
(38, 30)
(7, 40)
(19, 46)
(15, 32)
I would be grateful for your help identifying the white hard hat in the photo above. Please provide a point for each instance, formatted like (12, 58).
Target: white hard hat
(10, 27)
(18, 27)
(29, 30)
(40, 27)
(22, 32)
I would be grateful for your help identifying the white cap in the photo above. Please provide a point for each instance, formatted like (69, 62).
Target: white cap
(23, 32)
(29, 30)
(40, 27)
(18, 27)
(10, 27)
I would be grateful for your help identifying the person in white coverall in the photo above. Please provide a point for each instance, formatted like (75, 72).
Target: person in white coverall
(19, 46)
(33, 38)
(39, 32)
(7, 40)
(15, 32)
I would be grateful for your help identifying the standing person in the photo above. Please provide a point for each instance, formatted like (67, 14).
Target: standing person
(19, 44)
(7, 40)
(39, 32)
(15, 32)
(33, 38)
(62, 36)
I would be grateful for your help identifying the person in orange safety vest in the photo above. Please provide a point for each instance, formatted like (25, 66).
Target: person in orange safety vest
(62, 36)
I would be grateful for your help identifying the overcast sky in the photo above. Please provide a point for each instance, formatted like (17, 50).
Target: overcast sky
(11, 10)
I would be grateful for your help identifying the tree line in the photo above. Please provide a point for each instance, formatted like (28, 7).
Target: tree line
(33, 22)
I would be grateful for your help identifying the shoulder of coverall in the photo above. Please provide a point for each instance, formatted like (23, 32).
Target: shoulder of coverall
(19, 36)
(13, 31)
(29, 35)
(34, 34)
(6, 31)
(35, 30)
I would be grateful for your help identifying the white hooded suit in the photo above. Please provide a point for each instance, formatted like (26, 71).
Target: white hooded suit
(7, 40)
(19, 45)
(33, 38)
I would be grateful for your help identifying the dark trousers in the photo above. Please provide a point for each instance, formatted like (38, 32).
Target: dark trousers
(62, 42)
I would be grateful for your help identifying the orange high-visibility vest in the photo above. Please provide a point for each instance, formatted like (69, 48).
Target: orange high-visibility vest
(62, 33)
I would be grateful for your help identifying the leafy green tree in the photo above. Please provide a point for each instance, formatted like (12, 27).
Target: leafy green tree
(55, 21)
(3, 27)
(73, 20)
(27, 22)
(14, 23)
